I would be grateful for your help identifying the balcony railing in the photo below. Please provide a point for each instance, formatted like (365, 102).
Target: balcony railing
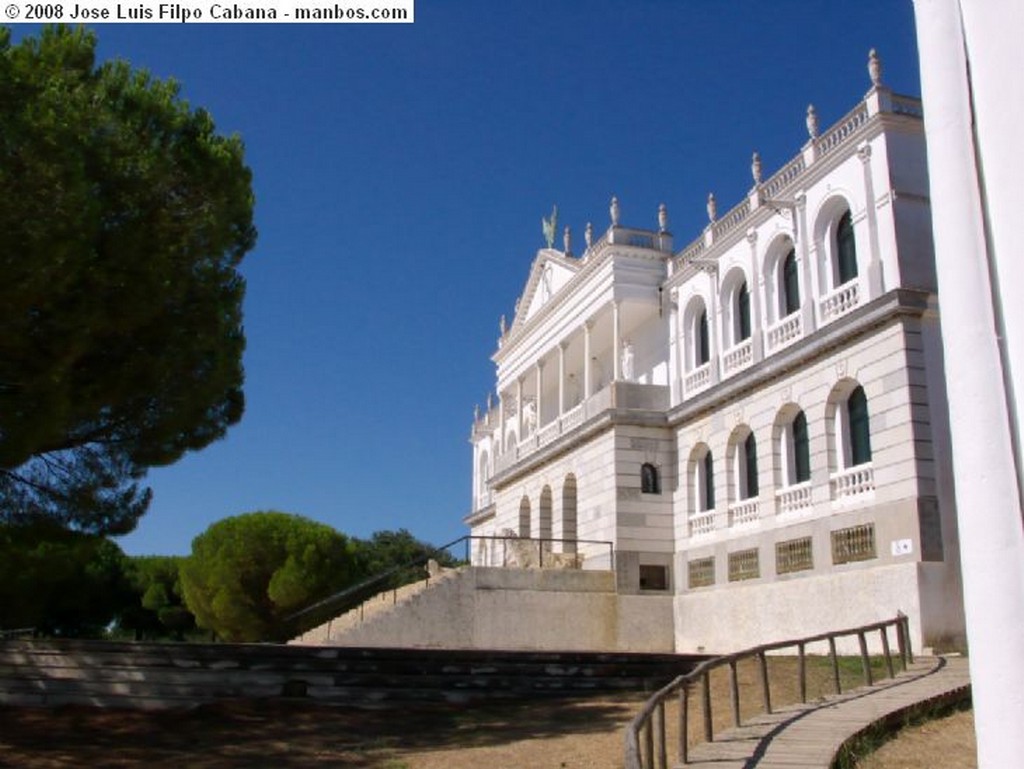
(853, 483)
(698, 379)
(744, 511)
(792, 499)
(702, 523)
(839, 302)
(738, 357)
(786, 331)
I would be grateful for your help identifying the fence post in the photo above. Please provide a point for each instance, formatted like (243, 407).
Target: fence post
(906, 634)
(684, 722)
(864, 659)
(885, 650)
(835, 664)
(709, 735)
(649, 744)
(901, 640)
(734, 691)
(802, 672)
(662, 747)
(766, 688)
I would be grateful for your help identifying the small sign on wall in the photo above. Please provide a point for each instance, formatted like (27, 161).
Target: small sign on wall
(902, 546)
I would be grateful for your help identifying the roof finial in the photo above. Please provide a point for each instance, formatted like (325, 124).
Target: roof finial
(755, 168)
(812, 122)
(588, 235)
(567, 241)
(613, 210)
(550, 226)
(662, 218)
(874, 68)
(712, 208)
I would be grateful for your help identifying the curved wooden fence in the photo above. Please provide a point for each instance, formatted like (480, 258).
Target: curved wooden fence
(646, 741)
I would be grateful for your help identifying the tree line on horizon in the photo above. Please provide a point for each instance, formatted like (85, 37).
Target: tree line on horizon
(245, 577)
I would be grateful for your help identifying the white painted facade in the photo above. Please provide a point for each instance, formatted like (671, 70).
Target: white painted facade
(814, 381)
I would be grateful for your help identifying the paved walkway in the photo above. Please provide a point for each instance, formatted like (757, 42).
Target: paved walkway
(806, 736)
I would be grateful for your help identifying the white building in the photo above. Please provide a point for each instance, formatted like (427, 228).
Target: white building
(757, 423)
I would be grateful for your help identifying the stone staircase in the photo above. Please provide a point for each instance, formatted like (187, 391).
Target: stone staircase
(374, 609)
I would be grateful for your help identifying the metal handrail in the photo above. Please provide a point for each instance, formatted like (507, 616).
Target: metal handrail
(351, 597)
(18, 632)
(648, 727)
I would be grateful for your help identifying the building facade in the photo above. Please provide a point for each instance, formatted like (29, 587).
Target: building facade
(757, 422)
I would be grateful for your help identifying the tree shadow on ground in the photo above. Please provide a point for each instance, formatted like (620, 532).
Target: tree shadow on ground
(289, 734)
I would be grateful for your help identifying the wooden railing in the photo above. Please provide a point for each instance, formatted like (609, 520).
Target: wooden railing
(646, 741)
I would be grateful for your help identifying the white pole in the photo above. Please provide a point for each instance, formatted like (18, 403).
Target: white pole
(982, 415)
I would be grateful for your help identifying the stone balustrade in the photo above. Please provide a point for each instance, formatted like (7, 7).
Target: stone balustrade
(852, 483)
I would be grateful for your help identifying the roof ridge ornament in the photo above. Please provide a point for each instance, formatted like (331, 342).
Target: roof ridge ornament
(614, 211)
(567, 241)
(755, 168)
(712, 208)
(550, 226)
(874, 68)
(812, 122)
(662, 218)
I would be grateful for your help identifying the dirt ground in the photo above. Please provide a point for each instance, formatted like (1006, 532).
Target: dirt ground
(539, 734)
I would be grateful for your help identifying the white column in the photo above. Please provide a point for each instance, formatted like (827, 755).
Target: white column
(714, 326)
(874, 281)
(587, 325)
(501, 424)
(674, 376)
(616, 343)
(519, 409)
(808, 295)
(983, 419)
(561, 378)
(537, 403)
(756, 289)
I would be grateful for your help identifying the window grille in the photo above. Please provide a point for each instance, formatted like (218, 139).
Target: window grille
(856, 543)
(744, 564)
(701, 572)
(793, 555)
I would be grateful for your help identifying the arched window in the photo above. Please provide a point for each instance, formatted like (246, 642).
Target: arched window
(702, 469)
(702, 346)
(801, 449)
(859, 428)
(524, 517)
(650, 482)
(748, 471)
(569, 514)
(846, 250)
(790, 285)
(742, 326)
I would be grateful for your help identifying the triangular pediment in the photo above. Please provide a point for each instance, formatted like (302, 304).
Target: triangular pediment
(551, 270)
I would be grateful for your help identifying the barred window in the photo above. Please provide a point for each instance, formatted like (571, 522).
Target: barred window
(744, 564)
(856, 543)
(701, 572)
(793, 555)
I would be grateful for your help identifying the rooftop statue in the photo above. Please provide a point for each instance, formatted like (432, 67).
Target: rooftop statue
(549, 226)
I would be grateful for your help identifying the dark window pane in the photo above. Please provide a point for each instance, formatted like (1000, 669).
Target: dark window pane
(649, 481)
(846, 257)
(801, 449)
(703, 348)
(709, 482)
(750, 456)
(743, 311)
(860, 432)
(791, 283)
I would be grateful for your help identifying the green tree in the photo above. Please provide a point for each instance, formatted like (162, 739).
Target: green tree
(158, 608)
(124, 219)
(248, 573)
(400, 550)
(60, 582)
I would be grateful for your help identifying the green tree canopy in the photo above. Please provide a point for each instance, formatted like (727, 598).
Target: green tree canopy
(158, 607)
(247, 573)
(59, 582)
(124, 219)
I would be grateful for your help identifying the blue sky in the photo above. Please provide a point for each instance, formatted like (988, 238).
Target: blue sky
(401, 172)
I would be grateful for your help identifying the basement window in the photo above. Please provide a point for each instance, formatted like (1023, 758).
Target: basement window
(653, 577)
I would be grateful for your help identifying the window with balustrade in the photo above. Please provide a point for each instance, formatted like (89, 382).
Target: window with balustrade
(858, 428)
(789, 285)
(846, 250)
(702, 475)
(744, 464)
